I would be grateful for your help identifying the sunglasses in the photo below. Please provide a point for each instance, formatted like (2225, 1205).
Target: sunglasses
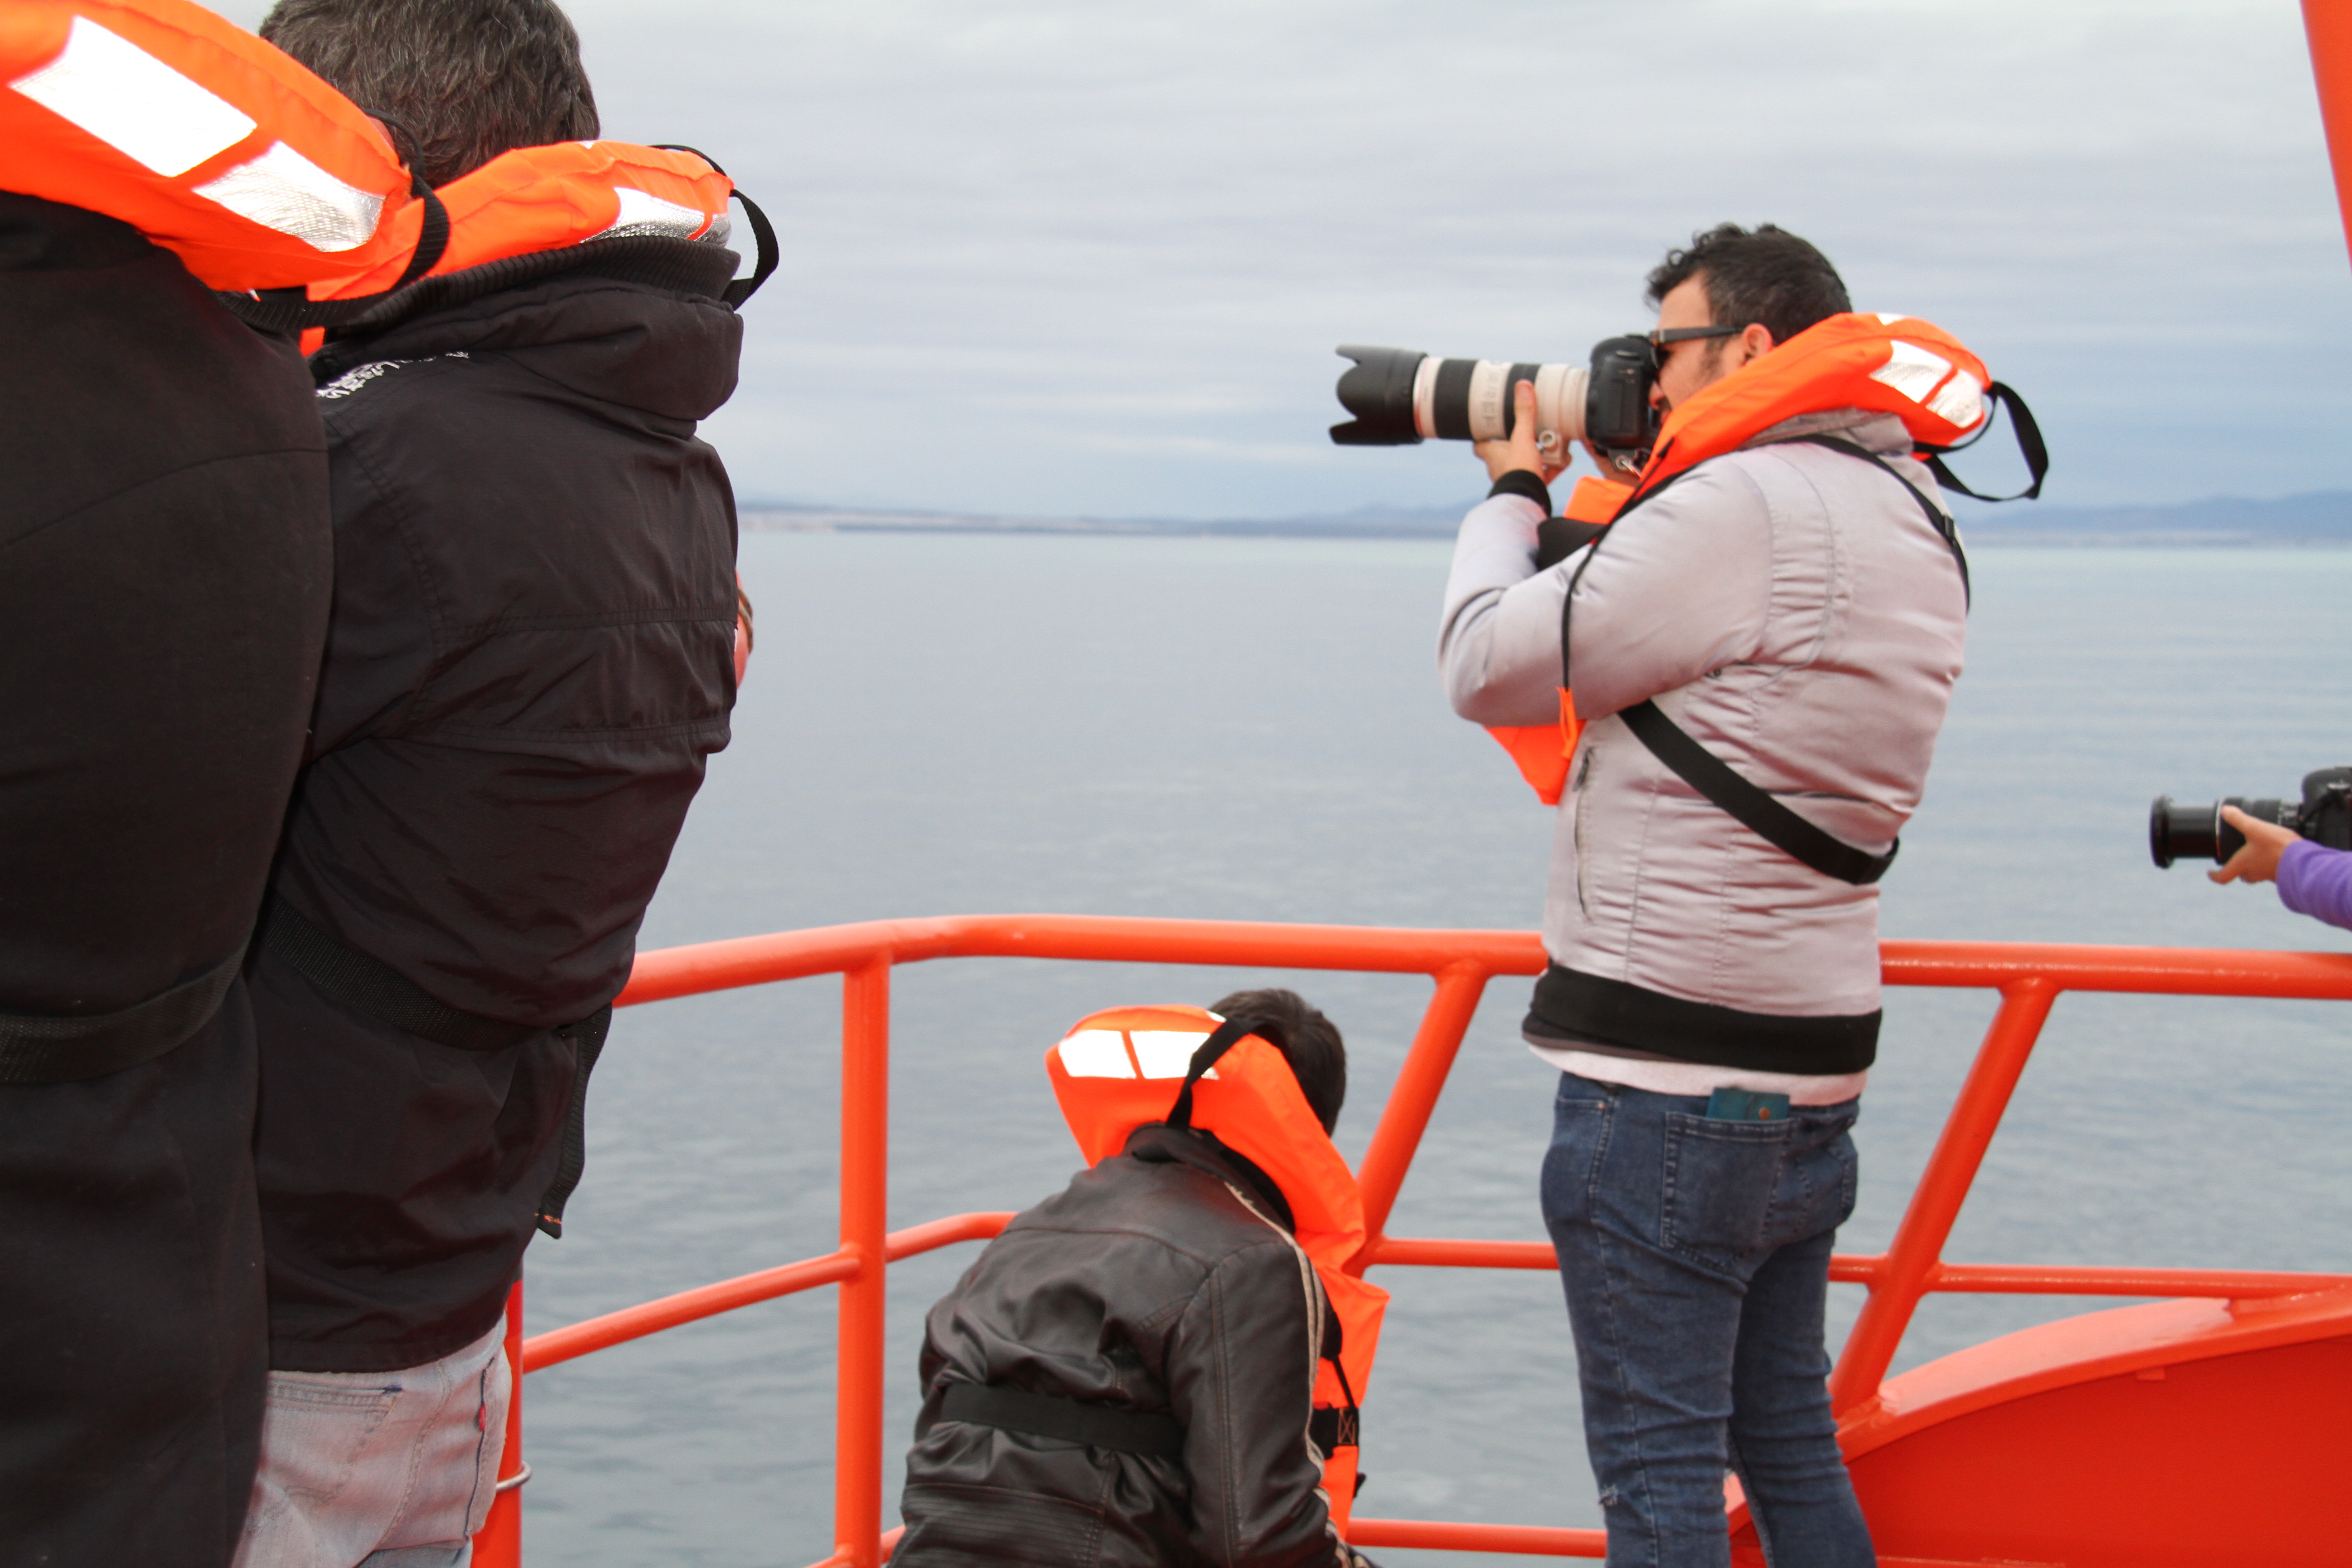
(1660, 342)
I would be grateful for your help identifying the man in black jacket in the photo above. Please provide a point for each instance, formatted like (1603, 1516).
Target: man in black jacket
(163, 575)
(1157, 1288)
(531, 657)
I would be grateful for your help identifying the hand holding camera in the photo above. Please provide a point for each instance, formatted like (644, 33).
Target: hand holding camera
(2257, 860)
(1536, 451)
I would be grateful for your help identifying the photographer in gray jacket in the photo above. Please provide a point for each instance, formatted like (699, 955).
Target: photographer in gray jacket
(1794, 604)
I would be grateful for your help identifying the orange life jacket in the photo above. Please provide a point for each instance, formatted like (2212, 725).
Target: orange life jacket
(543, 198)
(1119, 1070)
(1885, 364)
(211, 142)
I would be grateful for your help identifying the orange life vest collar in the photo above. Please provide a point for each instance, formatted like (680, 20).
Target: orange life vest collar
(1881, 364)
(209, 142)
(532, 199)
(1123, 1069)
(1900, 365)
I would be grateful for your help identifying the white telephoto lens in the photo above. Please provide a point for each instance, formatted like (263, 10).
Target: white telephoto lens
(1560, 402)
(1424, 397)
(1489, 410)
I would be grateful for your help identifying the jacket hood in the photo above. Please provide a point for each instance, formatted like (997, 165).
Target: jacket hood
(670, 351)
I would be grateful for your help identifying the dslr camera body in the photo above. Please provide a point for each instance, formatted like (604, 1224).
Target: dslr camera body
(1401, 397)
(2323, 816)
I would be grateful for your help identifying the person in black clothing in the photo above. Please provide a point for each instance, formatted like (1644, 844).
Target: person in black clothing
(164, 561)
(531, 657)
(1152, 1284)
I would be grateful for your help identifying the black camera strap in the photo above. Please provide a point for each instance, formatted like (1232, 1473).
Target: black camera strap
(1755, 808)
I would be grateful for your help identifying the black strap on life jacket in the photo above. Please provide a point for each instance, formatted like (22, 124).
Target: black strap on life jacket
(1150, 1432)
(373, 987)
(1762, 814)
(1331, 1427)
(764, 232)
(1227, 1034)
(2030, 446)
(36, 1048)
(293, 310)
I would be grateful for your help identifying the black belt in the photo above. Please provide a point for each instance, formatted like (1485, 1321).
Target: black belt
(39, 1049)
(383, 993)
(1154, 1433)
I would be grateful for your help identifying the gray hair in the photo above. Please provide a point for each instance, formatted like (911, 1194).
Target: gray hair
(470, 78)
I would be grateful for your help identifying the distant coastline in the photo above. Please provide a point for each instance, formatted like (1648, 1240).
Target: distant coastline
(2318, 521)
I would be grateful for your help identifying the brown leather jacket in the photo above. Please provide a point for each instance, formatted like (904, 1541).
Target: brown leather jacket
(1163, 1281)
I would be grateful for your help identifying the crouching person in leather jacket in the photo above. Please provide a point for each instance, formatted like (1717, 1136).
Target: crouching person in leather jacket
(1126, 1376)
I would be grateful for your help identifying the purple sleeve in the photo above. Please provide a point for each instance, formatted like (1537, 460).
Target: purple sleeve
(2317, 882)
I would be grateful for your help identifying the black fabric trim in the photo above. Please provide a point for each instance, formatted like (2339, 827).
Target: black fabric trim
(1755, 808)
(1525, 483)
(1558, 538)
(37, 1049)
(375, 988)
(681, 266)
(1150, 1432)
(1570, 1006)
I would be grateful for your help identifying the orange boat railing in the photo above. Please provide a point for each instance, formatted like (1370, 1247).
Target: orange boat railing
(2028, 976)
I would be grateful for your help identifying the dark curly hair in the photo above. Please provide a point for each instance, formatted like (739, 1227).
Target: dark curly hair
(1766, 275)
(470, 78)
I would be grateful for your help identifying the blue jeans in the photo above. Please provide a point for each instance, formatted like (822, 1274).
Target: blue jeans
(1696, 1258)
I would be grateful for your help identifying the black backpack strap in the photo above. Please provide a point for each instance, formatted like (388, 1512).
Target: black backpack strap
(39, 1048)
(1151, 1432)
(1757, 810)
(1946, 529)
(587, 1038)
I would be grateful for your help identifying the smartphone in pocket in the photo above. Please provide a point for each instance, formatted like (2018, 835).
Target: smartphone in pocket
(1746, 1105)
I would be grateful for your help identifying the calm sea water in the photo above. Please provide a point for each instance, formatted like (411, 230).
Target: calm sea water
(1254, 730)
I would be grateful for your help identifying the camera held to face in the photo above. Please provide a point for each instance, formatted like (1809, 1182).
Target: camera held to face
(2323, 816)
(1401, 397)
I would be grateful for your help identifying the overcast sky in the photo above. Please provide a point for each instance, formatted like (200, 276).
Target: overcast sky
(1090, 258)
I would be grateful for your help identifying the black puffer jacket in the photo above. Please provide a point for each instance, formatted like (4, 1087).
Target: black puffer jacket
(530, 657)
(1164, 1279)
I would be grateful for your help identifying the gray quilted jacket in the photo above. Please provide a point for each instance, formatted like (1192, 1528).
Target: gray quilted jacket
(1793, 610)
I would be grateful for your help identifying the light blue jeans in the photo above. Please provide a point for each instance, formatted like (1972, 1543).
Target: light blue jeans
(390, 1470)
(1695, 1257)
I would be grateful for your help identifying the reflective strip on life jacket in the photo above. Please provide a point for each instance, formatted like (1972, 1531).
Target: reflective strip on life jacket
(1121, 1068)
(543, 198)
(212, 144)
(1881, 364)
